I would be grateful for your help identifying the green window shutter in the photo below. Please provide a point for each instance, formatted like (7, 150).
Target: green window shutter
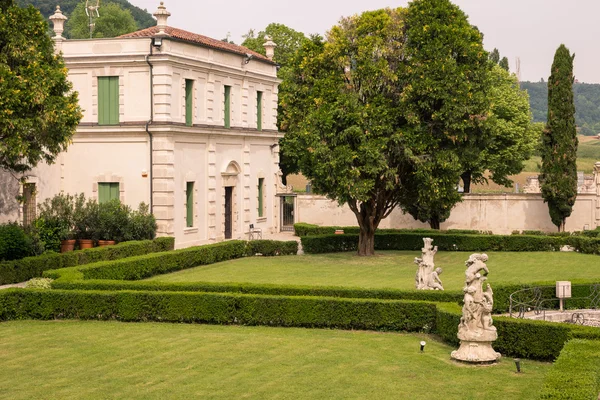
(260, 196)
(227, 106)
(189, 102)
(189, 199)
(259, 110)
(108, 191)
(108, 100)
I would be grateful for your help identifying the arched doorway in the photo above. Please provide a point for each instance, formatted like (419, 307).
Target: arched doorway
(230, 180)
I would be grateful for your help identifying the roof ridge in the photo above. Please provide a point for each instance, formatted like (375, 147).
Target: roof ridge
(197, 38)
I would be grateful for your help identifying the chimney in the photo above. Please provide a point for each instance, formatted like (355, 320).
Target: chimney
(161, 15)
(269, 47)
(58, 20)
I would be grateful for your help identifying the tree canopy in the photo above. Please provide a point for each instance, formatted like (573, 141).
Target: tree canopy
(445, 102)
(288, 41)
(142, 17)
(341, 110)
(559, 141)
(38, 109)
(508, 137)
(113, 21)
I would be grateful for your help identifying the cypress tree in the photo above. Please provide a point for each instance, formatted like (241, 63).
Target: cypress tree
(559, 141)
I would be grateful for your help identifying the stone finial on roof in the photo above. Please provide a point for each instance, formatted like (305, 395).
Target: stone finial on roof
(269, 47)
(58, 20)
(161, 15)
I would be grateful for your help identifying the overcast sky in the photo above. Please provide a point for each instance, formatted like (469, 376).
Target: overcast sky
(528, 29)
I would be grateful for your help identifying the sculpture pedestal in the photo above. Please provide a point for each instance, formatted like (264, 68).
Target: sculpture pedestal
(475, 352)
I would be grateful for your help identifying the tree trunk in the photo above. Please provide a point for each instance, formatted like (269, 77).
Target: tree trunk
(366, 243)
(434, 223)
(466, 178)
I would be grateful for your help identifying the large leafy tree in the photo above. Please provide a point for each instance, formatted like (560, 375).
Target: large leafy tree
(507, 137)
(341, 111)
(559, 141)
(445, 102)
(38, 110)
(113, 21)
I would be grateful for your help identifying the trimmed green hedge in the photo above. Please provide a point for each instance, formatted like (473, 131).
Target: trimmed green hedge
(304, 229)
(263, 289)
(140, 267)
(525, 338)
(450, 242)
(31, 267)
(576, 373)
(272, 248)
(218, 308)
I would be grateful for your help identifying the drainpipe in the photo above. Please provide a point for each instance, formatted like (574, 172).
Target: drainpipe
(150, 138)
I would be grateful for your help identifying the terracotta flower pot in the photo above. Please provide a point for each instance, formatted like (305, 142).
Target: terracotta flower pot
(67, 245)
(103, 243)
(85, 244)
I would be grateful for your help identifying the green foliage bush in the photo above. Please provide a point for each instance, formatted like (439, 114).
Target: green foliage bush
(451, 242)
(31, 267)
(220, 308)
(14, 243)
(140, 267)
(304, 229)
(265, 289)
(272, 247)
(575, 374)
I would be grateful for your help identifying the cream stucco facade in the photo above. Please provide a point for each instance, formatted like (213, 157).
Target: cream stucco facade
(154, 152)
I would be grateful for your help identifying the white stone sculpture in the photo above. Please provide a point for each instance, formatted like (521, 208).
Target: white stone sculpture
(428, 277)
(476, 330)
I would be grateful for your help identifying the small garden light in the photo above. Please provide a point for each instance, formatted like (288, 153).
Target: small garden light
(518, 364)
(423, 343)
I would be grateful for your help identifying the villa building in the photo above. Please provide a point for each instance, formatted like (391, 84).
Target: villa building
(177, 120)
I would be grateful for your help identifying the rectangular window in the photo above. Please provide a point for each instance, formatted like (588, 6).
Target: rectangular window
(189, 204)
(261, 182)
(227, 107)
(259, 110)
(108, 191)
(108, 100)
(189, 102)
(29, 204)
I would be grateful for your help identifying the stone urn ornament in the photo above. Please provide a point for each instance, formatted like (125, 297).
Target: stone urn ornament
(428, 277)
(476, 330)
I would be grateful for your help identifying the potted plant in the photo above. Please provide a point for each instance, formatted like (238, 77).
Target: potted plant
(85, 219)
(56, 215)
(113, 219)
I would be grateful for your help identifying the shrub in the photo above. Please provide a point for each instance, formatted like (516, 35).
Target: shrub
(85, 217)
(14, 243)
(451, 242)
(39, 283)
(56, 215)
(113, 221)
(575, 373)
(141, 224)
(221, 308)
(134, 268)
(30, 267)
(272, 248)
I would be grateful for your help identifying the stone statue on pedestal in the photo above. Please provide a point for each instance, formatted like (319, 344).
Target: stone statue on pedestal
(428, 277)
(476, 330)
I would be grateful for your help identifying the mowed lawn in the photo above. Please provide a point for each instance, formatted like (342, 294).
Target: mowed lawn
(113, 360)
(391, 269)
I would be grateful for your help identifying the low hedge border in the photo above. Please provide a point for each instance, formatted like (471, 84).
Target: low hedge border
(218, 308)
(450, 242)
(140, 267)
(576, 372)
(304, 229)
(31, 267)
(262, 289)
(525, 338)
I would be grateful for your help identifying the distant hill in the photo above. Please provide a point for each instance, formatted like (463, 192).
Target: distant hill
(47, 7)
(587, 104)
